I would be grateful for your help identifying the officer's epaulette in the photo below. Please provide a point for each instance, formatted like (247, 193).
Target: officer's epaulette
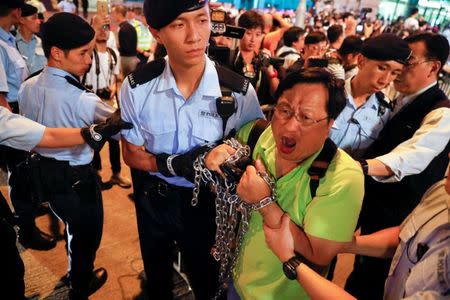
(34, 74)
(384, 103)
(383, 100)
(232, 80)
(146, 73)
(77, 84)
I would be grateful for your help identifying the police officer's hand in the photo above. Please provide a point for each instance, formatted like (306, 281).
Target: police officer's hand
(97, 134)
(180, 165)
(218, 156)
(252, 188)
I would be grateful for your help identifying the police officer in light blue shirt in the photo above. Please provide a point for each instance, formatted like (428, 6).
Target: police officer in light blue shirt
(21, 133)
(28, 43)
(176, 105)
(14, 71)
(13, 63)
(367, 110)
(56, 98)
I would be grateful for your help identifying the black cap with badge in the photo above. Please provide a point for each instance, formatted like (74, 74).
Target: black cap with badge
(160, 13)
(387, 46)
(66, 31)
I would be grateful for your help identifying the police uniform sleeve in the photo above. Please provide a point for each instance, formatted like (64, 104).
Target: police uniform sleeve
(129, 114)
(92, 109)
(3, 79)
(19, 132)
(249, 108)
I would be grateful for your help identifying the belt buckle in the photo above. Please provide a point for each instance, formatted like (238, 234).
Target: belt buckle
(162, 189)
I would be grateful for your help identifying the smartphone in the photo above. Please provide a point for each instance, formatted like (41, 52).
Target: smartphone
(103, 7)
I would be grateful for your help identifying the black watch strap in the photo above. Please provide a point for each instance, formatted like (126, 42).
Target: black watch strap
(290, 267)
(364, 166)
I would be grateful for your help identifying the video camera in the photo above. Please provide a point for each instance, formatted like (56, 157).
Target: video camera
(267, 60)
(219, 27)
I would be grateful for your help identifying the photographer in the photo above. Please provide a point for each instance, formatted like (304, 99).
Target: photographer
(250, 61)
(102, 79)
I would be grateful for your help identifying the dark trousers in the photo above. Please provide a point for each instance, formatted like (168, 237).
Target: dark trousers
(81, 210)
(18, 181)
(114, 157)
(164, 216)
(85, 4)
(19, 187)
(12, 268)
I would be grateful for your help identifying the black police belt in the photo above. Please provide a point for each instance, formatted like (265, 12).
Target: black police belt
(153, 185)
(50, 176)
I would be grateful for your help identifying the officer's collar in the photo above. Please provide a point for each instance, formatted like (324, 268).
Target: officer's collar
(60, 73)
(209, 84)
(7, 37)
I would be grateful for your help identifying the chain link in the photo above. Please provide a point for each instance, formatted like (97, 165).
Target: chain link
(232, 214)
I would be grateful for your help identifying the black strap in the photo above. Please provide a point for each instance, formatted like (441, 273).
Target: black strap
(257, 129)
(231, 80)
(76, 83)
(320, 165)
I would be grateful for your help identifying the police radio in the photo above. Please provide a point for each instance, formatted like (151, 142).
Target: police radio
(226, 107)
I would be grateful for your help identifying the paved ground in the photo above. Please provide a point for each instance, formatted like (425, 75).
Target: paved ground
(119, 253)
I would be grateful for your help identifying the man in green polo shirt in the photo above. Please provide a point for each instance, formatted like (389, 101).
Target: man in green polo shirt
(308, 103)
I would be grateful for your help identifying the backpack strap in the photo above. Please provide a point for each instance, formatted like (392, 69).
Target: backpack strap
(320, 165)
(257, 129)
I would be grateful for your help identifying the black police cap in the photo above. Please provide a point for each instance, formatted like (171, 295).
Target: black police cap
(160, 13)
(66, 31)
(387, 46)
(12, 3)
(29, 10)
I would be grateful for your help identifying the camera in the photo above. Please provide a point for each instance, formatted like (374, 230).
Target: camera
(219, 27)
(266, 60)
(104, 93)
(322, 62)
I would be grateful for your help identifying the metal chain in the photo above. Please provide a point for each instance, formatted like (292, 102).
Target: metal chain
(232, 214)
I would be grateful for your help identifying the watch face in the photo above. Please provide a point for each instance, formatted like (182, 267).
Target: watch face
(289, 270)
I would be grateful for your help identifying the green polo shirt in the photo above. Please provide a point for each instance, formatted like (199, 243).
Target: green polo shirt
(332, 214)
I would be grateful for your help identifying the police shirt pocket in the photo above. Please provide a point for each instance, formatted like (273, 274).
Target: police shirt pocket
(207, 131)
(159, 137)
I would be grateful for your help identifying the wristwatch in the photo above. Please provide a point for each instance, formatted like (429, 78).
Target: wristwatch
(290, 267)
(364, 166)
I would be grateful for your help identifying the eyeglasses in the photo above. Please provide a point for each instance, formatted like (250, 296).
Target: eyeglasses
(416, 63)
(285, 113)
